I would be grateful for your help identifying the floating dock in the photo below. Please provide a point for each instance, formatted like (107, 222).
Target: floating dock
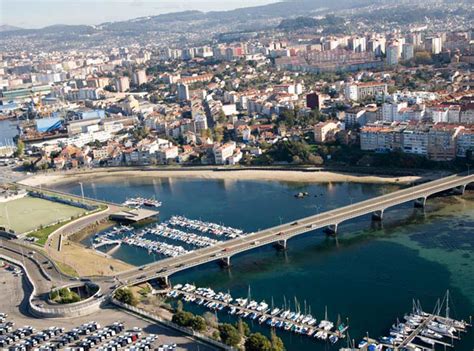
(419, 331)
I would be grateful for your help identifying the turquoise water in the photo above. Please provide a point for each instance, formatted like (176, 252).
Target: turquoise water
(370, 274)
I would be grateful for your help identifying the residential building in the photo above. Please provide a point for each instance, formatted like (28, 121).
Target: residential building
(223, 152)
(325, 131)
(122, 84)
(393, 53)
(355, 117)
(360, 91)
(139, 77)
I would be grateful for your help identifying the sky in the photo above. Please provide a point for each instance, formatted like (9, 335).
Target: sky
(40, 13)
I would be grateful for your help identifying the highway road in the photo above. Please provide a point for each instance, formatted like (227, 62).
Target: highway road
(225, 250)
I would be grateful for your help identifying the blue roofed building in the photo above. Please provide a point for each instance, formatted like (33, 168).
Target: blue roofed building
(46, 125)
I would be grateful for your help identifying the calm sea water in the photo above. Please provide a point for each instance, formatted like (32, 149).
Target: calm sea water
(370, 274)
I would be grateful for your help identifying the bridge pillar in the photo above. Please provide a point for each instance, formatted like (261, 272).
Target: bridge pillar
(331, 229)
(225, 261)
(420, 203)
(281, 244)
(164, 282)
(378, 215)
(460, 189)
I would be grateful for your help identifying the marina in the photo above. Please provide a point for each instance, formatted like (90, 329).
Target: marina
(164, 238)
(297, 322)
(420, 331)
(206, 227)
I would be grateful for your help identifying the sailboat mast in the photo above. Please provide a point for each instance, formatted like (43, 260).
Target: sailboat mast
(447, 304)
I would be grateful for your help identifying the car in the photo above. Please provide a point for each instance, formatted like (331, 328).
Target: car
(294, 223)
(180, 265)
(142, 277)
(162, 270)
(216, 255)
(226, 249)
(279, 234)
(256, 242)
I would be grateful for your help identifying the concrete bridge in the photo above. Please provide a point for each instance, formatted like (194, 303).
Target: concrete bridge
(279, 235)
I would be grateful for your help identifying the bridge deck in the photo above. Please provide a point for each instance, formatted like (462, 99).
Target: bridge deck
(286, 231)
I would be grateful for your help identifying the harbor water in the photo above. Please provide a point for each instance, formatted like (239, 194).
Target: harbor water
(8, 131)
(370, 273)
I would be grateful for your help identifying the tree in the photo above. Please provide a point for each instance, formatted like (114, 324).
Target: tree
(277, 343)
(242, 327)
(179, 306)
(20, 148)
(222, 117)
(210, 319)
(183, 318)
(423, 58)
(258, 342)
(218, 134)
(229, 334)
(126, 296)
(198, 323)
(315, 160)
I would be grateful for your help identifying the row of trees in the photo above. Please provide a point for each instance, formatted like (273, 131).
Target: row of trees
(187, 319)
(235, 335)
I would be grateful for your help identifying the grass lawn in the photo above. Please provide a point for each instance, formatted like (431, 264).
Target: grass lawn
(66, 269)
(42, 234)
(27, 214)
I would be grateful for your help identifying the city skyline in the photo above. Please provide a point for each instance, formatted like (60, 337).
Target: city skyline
(43, 13)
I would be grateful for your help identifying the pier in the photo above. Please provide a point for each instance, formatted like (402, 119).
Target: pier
(300, 323)
(133, 215)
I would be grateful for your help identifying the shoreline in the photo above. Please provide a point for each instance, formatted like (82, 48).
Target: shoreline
(283, 175)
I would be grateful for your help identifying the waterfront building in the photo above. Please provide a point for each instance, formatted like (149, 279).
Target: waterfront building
(325, 131)
(223, 152)
(442, 142)
(465, 143)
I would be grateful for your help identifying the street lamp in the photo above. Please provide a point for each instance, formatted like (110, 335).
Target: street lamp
(82, 190)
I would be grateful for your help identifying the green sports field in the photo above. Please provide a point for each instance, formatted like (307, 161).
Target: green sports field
(29, 213)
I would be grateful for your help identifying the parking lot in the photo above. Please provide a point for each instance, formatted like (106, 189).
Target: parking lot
(14, 304)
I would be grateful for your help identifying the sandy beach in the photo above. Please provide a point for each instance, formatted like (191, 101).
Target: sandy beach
(241, 174)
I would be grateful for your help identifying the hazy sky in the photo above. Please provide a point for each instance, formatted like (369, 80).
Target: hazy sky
(40, 13)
